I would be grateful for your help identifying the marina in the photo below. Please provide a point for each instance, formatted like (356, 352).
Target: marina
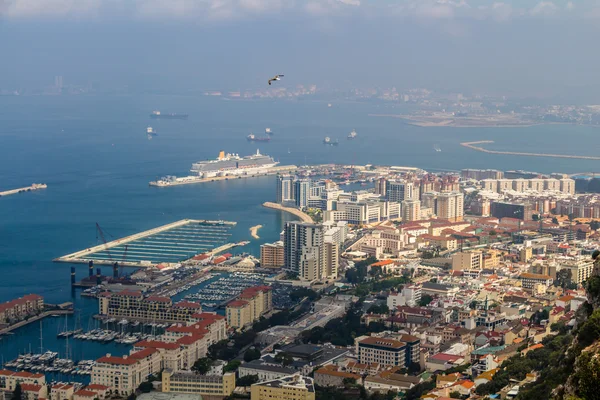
(227, 287)
(171, 243)
(49, 363)
(35, 186)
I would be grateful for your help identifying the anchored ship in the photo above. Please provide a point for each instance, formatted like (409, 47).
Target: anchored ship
(150, 131)
(268, 131)
(159, 115)
(233, 164)
(328, 141)
(252, 138)
(352, 135)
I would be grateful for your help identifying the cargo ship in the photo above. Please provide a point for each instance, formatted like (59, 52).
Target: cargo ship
(159, 115)
(330, 142)
(150, 131)
(352, 135)
(233, 164)
(268, 131)
(252, 138)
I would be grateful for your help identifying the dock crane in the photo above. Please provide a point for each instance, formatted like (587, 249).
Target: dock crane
(101, 233)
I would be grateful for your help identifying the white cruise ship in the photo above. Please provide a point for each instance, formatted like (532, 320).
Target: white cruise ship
(233, 164)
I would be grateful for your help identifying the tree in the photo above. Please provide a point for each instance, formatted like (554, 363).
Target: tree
(247, 380)
(146, 387)
(555, 220)
(455, 395)
(595, 225)
(232, 366)
(17, 393)
(349, 381)
(251, 354)
(493, 233)
(536, 217)
(563, 278)
(284, 358)
(379, 309)
(425, 300)
(132, 396)
(202, 366)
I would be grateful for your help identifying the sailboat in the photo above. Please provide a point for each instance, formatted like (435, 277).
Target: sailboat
(437, 148)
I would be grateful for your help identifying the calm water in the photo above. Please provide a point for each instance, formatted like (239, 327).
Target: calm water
(94, 155)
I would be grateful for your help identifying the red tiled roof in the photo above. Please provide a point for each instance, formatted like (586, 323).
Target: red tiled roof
(128, 293)
(445, 357)
(95, 386)
(207, 316)
(20, 301)
(23, 374)
(189, 339)
(156, 344)
(143, 353)
(237, 303)
(159, 299)
(5, 372)
(116, 360)
(85, 393)
(28, 387)
(187, 304)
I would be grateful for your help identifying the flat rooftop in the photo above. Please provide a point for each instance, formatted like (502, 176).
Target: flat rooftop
(169, 243)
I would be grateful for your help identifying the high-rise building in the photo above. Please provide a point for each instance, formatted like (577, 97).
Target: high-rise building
(302, 192)
(380, 187)
(331, 262)
(450, 206)
(522, 211)
(398, 191)
(285, 189)
(58, 82)
(271, 255)
(411, 210)
(303, 249)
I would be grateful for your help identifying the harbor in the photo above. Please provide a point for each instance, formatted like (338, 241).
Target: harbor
(50, 363)
(35, 186)
(171, 243)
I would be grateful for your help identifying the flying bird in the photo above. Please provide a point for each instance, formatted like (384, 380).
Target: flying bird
(276, 78)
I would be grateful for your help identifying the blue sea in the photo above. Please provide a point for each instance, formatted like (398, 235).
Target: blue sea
(93, 153)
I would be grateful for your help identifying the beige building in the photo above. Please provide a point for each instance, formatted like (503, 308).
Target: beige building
(294, 387)
(450, 206)
(525, 254)
(581, 268)
(386, 352)
(125, 374)
(411, 210)
(249, 306)
(272, 255)
(331, 259)
(530, 281)
(16, 310)
(467, 261)
(33, 385)
(208, 386)
(132, 304)
(62, 391)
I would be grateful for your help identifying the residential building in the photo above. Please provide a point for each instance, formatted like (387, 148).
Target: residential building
(330, 375)
(302, 192)
(411, 210)
(249, 306)
(331, 260)
(295, 387)
(529, 281)
(264, 371)
(16, 310)
(303, 249)
(387, 352)
(398, 191)
(272, 255)
(581, 268)
(9, 380)
(132, 304)
(450, 206)
(467, 261)
(190, 382)
(285, 189)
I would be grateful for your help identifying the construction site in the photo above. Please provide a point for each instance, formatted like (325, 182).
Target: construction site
(167, 244)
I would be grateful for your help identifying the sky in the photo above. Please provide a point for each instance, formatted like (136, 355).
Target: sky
(520, 47)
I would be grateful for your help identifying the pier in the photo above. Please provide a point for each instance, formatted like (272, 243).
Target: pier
(35, 186)
(294, 211)
(474, 146)
(188, 180)
(171, 243)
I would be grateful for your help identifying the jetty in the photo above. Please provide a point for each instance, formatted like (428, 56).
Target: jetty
(476, 146)
(254, 231)
(35, 186)
(171, 243)
(294, 211)
(189, 180)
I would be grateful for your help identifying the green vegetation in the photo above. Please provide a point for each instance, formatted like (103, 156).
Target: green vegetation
(202, 366)
(455, 395)
(342, 331)
(358, 274)
(146, 387)
(17, 393)
(247, 380)
(425, 300)
(232, 366)
(284, 358)
(251, 354)
(379, 309)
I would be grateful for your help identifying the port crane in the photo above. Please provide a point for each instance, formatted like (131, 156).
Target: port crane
(100, 233)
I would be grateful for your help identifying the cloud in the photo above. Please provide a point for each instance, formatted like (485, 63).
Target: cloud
(544, 8)
(570, 6)
(501, 11)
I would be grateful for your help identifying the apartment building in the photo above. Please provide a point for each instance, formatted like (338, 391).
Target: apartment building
(272, 255)
(132, 304)
(125, 374)
(294, 387)
(18, 309)
(529, 281)
(386, 352)
(249, 306)
(581, 268)
(10, 379)
(467, 261)
(210, 386)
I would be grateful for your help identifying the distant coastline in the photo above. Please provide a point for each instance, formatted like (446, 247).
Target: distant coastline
(464, 122)
(476, 146)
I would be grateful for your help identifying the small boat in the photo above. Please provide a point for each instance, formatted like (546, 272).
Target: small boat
(268, 131)
(330, 142)
(352, 135)
(150, 131)
(252, 138)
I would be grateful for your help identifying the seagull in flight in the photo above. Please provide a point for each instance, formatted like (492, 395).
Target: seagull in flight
(276, 78)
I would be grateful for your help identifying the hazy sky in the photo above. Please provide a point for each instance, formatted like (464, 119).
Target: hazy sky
(522, 46)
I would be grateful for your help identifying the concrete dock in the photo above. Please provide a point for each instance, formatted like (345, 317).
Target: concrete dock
(171, 243)
(35, 186)
(188, 180)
